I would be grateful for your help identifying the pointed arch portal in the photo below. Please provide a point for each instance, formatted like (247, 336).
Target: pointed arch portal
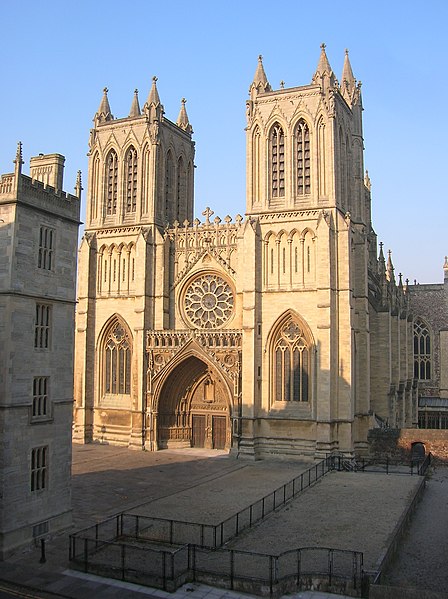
(193, 408)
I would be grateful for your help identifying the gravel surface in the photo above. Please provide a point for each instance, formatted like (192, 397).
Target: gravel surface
(344, 510)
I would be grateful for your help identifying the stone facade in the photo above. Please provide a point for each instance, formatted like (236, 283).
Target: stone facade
(283, 332)
(429, 305)
(38, 236)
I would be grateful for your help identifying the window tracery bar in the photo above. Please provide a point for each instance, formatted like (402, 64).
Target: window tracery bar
(422, 351)
(131, 180)
(303, 158)
(112, 183)
(277, 161)
(117, 361)
(291, 364)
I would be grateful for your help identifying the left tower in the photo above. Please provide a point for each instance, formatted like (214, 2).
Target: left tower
(140, 181)
(38, 238)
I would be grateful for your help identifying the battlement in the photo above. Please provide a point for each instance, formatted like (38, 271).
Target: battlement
(38, 192)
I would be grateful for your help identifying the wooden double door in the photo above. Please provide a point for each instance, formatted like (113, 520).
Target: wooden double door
(208, 430)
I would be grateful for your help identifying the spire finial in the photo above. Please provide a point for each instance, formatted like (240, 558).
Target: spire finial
(135, 106)
(104, 112)
(348, 86)
(18, 161)
(260, 82)
(19, 153)
(282, 84)
(324, 75)
(153, 97)
(78, 185)
(182, 119)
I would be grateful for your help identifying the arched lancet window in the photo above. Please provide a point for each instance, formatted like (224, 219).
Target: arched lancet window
(112, 182)
(321, 159)
(291, 363)
(117, 357)
(131, 179)
(145, 179)
(256, 162)
(277, 161)
(95, 186)
(303, 158)
(422, 350)
(181, 189)
(342, 168)
(169, 186)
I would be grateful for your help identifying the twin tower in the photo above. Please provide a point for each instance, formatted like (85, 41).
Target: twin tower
(261, 335)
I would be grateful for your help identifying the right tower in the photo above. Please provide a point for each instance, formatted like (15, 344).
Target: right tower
(319, 277)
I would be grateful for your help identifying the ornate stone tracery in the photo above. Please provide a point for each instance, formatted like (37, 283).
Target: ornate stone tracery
(208, 301)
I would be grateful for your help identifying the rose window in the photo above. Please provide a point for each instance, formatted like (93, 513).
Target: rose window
(208, 302)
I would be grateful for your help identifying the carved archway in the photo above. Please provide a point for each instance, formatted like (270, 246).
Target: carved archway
(193, 408)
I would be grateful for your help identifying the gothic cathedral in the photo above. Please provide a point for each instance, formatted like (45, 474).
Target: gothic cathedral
(281, 332)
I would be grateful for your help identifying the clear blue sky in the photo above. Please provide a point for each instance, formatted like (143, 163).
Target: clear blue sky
(55, 58)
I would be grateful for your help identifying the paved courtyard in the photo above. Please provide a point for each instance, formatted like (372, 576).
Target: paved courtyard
(343, 510)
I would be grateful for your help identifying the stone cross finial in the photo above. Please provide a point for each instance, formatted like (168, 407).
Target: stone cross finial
(207, 213)
(323, 46)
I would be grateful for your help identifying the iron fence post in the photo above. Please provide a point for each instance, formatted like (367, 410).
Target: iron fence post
(232, 565)
(123, 557)
(164, 569)
(86, 555)
(194, 563)
(330, 566)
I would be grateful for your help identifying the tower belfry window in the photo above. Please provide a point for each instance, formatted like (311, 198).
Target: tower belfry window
(112, 183)
(169, 187)
(277, 161)
(303, 158)
(131, 180)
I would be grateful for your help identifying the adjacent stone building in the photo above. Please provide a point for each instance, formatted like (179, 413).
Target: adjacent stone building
(38, 238)
(429, 305)
(280, 332)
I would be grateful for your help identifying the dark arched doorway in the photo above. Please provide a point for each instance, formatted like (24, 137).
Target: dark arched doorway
(193, 409)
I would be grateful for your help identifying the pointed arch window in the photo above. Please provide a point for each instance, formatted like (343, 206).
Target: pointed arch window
(169, 186)
(422, 350)
(277, 161)
(131, 179)
(291, 363)
(181, 189)
(303, 158)
(117, 361)
(112, 182)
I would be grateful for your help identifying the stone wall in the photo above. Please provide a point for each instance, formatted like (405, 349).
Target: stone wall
(396, 444)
